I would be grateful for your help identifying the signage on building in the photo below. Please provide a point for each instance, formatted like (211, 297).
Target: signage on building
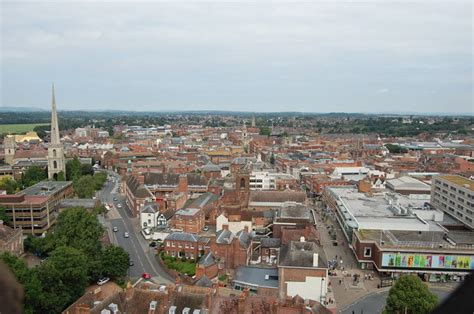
(411, 260)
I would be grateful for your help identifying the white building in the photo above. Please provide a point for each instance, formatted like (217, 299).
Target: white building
(234, 226)
(266, 180)
(149, 216)
(454, 195)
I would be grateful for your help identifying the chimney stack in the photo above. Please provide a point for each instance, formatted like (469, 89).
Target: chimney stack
(315, 259)
(183, 183)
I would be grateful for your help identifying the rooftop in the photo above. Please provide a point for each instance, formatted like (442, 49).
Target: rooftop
(461, 181)
(46, 188)
(301, 254)
(188, 211)
(256, 276)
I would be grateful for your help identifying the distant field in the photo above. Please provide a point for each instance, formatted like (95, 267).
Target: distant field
(18, 128)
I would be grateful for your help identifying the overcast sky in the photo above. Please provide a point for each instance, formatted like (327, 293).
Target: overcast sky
(323, 56)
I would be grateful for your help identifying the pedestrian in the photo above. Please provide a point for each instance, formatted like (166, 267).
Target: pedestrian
(340, 281)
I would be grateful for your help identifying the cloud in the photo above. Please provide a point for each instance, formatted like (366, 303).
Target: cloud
(383, 91)
(291, 54)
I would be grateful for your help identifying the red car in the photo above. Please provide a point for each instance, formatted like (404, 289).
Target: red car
(146, 276)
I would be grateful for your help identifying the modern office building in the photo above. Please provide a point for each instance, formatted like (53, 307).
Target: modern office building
(455, 196)
(35, 209)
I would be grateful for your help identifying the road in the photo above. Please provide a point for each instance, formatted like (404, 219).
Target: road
(375, 302)
(142, 255)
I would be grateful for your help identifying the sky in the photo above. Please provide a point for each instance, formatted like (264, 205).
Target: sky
(319, 56)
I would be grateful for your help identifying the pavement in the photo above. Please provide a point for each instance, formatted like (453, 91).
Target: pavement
(142, 255)
(342, 286)
(375, 302)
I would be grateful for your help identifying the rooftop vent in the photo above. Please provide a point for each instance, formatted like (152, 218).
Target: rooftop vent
(172, 310)
(186, 310)
(267, 277)
(153, 305)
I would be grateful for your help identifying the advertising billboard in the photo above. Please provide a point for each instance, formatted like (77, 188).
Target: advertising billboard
(413, 260)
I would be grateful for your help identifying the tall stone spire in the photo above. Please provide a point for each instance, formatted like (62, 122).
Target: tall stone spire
(56, 162)
(54, 121)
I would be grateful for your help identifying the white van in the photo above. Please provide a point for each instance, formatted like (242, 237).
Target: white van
(146, 234)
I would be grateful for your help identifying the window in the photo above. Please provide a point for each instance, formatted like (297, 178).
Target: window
(367, 252)
(55, 164)
(54, 153)
(167, 244)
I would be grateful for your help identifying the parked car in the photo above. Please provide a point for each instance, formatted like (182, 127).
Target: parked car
(153, 244)
(205, 228)
(115, 199)
(119, 205)
(131, 263)
(115, 229)
(146, 276)
(103, 281)
(126, 235)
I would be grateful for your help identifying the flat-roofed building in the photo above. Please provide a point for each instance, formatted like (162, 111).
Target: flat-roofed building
(35, 209)
(355, 210)
(408, 186)
(435, 255)
(455, 196)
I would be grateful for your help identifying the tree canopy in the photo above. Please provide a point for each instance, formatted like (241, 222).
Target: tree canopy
(410, 295)
(8, 184)
(33, 175)
(75, 258)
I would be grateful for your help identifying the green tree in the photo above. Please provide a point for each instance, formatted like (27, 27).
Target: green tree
(8, 184)
(33, 175)
(73, 169)
(72, 269)
(4, 216)
(85, 187)
(265, 130)
(410, 295)
(395, 149)
(26, 277)
(115, 262)
(61, 176)
(272, 159)
(99, 180)
(86, 169)
(78, 228)
(55, 295)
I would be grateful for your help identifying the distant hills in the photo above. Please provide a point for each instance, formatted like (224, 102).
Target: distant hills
(20, 109)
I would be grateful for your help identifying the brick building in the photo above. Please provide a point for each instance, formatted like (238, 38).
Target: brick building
(189, 220)
(188, 245)
(11, 240)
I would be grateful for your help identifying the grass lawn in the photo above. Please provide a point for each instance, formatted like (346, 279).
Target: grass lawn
(18, 128)
(186, 267)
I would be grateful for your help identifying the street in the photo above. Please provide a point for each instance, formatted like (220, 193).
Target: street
(375, 302)
(142, 255)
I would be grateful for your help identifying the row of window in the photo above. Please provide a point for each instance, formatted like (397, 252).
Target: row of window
(187, 245)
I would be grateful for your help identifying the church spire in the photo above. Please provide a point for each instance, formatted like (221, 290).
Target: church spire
(54, 121)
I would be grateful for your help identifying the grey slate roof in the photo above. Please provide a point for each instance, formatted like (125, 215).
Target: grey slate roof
(224, 236)
(255, 276)
(300, 254)
(244, 238)
(182, 236)
(204, 281)
(203, 200)
(172, 179)
(150, 209)
(210, 167)
(271, 242)
(207, 259)
(138, 190)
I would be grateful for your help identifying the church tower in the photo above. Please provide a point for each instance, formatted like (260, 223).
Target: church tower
(10, 146)
(56, 162)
